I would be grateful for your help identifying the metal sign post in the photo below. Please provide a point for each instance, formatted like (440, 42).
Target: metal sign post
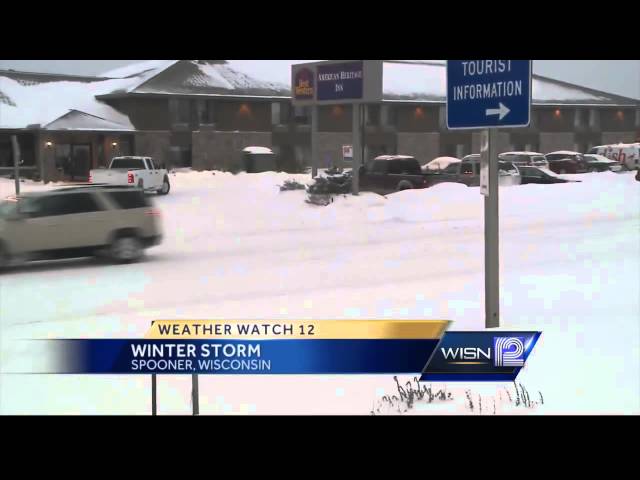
(154, 394)
(16, 162)
(195, 397)
(357, 150)
(314, 141)
(489, 94)
(491, 229)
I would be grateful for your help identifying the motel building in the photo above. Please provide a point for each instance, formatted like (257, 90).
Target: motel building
(203, 113)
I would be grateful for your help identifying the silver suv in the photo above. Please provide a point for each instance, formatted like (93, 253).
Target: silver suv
(117, 222)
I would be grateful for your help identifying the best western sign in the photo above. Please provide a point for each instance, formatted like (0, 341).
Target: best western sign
(331, 82)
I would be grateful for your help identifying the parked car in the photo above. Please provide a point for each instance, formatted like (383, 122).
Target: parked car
(566, 161)
(77, 222)
(439, 164)
(540, 175)
(600, 163)
(141, 172)
(467, 172)
(392, 173)
(533, 159)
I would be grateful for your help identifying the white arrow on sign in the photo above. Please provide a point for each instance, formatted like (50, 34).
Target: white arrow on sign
(502, 111)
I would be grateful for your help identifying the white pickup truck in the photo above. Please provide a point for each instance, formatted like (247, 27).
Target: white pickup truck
(138, 172)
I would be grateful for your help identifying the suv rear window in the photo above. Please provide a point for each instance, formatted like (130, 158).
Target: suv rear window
(406, 167)
(129, 199)
(127, 163)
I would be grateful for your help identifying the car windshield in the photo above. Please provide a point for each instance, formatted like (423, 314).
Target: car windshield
(538, 160)
(507, 168)
(560, 156)
(127, 163)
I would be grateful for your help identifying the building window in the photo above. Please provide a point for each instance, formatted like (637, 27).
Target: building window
(73, 160)
(578, 118)
(207, 112)
(638, 117)
(124, 147)
(180, 156)
(275, 113)
(593, 118)
(337, 110)
(180, 111)
(373, 115)
(244, 110)
(442, 117)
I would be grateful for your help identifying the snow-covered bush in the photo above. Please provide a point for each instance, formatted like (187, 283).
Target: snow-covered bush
(292, 185)
(336, 184)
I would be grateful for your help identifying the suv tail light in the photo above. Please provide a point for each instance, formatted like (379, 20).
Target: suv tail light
(154, 212)
(90, 178)
(130, 178)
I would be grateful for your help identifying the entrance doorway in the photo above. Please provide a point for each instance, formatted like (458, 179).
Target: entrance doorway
(73, 161)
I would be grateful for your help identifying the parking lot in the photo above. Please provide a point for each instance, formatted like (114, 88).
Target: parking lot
(237, 247)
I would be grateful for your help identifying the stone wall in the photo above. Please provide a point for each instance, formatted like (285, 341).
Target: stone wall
(154, 145)
(215, 150)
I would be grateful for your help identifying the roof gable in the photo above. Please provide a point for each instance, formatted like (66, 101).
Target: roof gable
(77, 120)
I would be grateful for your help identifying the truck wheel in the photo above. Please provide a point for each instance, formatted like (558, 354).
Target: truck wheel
(404, 185)
(126, 249)
(166, 186)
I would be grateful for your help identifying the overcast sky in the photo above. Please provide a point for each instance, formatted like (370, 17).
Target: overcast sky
(615, 76)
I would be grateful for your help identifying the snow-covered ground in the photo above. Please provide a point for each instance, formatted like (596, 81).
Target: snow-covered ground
(236, 247)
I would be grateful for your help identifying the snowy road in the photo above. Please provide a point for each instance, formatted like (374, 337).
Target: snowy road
(236, 247)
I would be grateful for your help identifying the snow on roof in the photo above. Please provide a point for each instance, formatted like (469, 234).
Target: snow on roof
(75, 120)
(45, 102)
(522, 153)
(403, 80)
(257, 150)
(276, 71)
(138, 69)
(203, 77)
(5, 99)
(441, 163)
(394, 157)
(619, 145)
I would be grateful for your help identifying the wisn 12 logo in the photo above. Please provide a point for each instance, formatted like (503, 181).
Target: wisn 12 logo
(480, 356)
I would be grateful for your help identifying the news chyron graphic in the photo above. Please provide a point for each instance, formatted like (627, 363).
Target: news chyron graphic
(368, 347)
(480, 356)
